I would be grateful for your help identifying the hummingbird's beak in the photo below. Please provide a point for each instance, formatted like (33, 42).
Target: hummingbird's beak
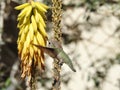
(47, 50)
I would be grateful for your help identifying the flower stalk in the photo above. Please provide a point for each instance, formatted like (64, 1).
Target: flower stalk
(56, 19)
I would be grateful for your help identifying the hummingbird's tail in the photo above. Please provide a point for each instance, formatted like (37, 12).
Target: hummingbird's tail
(72, 68)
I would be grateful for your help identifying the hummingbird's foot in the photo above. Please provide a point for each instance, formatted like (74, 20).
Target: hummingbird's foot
(61, 63)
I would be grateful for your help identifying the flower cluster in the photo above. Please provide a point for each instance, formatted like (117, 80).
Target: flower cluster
(31, 23)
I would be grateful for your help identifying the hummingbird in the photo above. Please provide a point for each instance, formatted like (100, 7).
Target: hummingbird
(57, 53)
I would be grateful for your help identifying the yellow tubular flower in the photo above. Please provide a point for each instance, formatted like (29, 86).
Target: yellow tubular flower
(31, 23)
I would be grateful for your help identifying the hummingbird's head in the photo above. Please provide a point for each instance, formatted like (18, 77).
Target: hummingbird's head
(49, 44)
(54, 43)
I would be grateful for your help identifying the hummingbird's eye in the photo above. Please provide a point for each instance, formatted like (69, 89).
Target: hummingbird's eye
(49, 43)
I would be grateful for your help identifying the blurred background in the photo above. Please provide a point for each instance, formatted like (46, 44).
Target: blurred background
(91, 37)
